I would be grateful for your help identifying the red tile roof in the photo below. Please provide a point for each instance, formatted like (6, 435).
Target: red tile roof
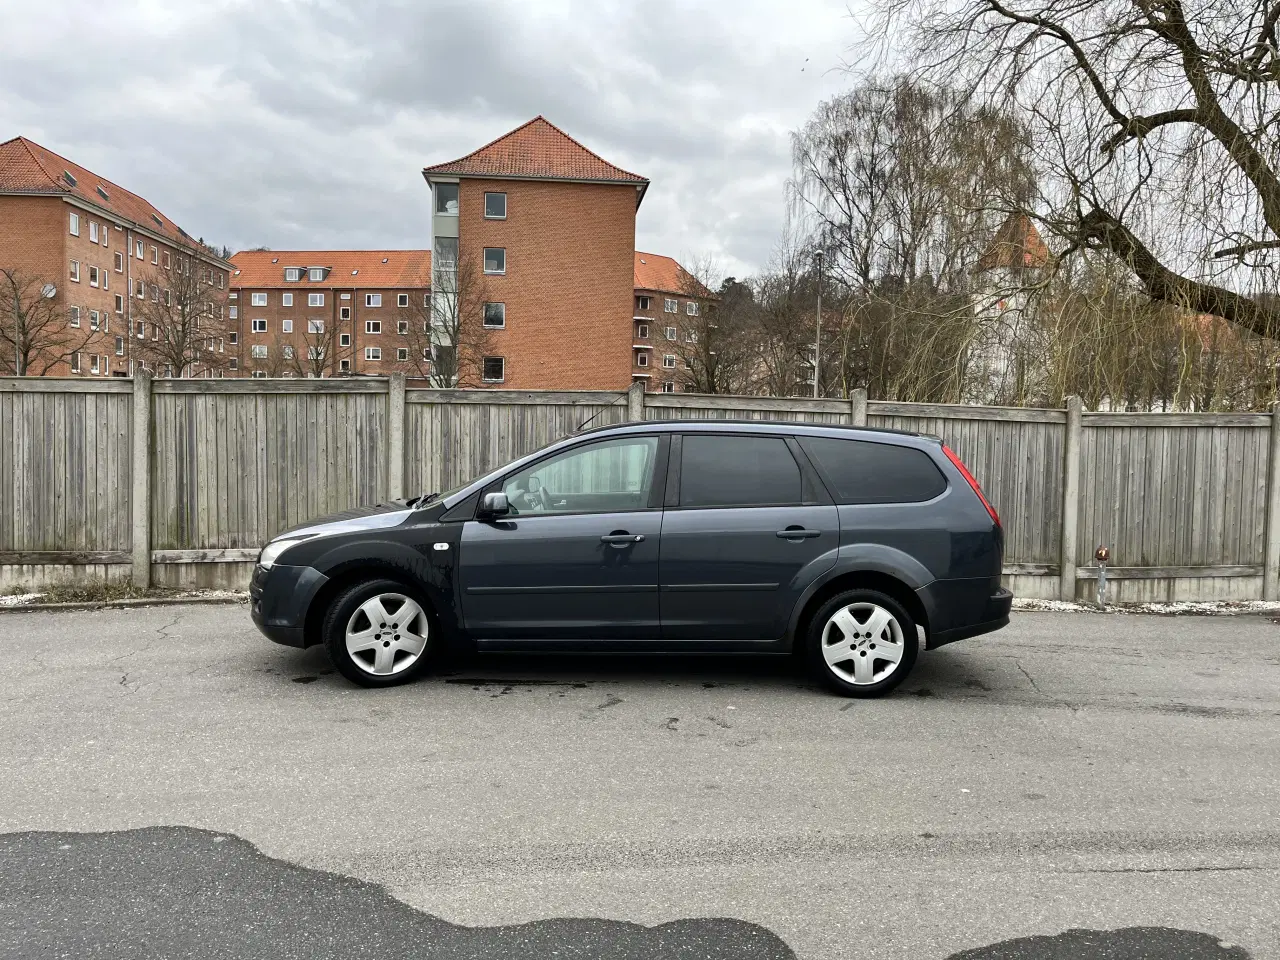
(664, 275)
(1017, 244)
(537, 150)
(27, 167)
(349, 269)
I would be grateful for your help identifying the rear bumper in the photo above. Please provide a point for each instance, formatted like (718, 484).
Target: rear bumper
(279, 599)
(959, 609)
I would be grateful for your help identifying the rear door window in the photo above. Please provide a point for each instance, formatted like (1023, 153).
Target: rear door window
(860, 471)
(737, 471)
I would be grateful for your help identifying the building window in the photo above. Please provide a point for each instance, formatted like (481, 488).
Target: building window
(494, 369)
(292, 274)
(446, 199)
(426, 300)
(140, 290)
(691, 308)
(402, 353)
(286, 326)
(373, 353)
(315, 299)
(94, 364)
(643, 303)
(286, 299)
(287, 352)
(73, 316)
(233, 338)
(75, 270)
(258, 351)
(669, 305)
(73, 224)
(119, 262)
(642, 331)
(668, 386)
(257, 299)
(258, 326)
(344, 366)
(75, 358)
(315, 274)
(344, 339)
(315, 326)
(222, 279)
(373, 326)
(155, 254)
(669, 362)
(642, 358)
(259, 374)
(93, 232)
(495, 314)
(93, 319)
(93, 276)
(141, 329)
(495, 206)
(233, 313)
(119, 346)
(495, 260)
(233, 364)
(103, 273)
(671, 333)
(402, 299)
(168, 261)
(138, 251)
(690, 336)
(120, 304)
(344, 313)
(373, 299)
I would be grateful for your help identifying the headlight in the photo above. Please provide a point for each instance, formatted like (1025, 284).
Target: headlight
(273, 550)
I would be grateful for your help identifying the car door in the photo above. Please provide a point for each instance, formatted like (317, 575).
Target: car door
(577, 556)
(747, 526)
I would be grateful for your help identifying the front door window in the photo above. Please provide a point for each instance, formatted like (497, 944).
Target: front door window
(611, 477)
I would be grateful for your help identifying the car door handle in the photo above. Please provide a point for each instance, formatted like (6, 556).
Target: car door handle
(798, 533)
(621, 539)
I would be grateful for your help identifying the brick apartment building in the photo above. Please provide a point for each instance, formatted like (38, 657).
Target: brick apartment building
(331, 312)
(667, 302)
(543, 231)
(99, 250)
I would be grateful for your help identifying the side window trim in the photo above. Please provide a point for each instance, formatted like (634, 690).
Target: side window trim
(815, 490)
(672, 498)
(677, 457)
(496, 486)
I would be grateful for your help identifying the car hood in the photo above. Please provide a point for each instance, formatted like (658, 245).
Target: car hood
(377, 517)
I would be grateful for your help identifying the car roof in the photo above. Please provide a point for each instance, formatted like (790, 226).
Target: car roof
(715, 425)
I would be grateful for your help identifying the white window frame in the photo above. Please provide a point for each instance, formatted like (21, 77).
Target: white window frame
(286, 325)
(402, 299)
(93, 231)
(344, 366)
(73, 224)
(642, 358)
(402, 327)
(402, 354)
(484, 319)
(119, 262)
(501, 379)
(93, 275)
(155, 254)
(259, 374)
(258, 299)
(258, 325)
(644, 303)
(373, 326)
(233, 312)
(93, 319)
(495, 193)
(344, 313)
(140, 250)
(373, 299)
(373, 353)
(315, 299)
(642, 331)
(670, 333)
(286, 299)
(258, 351)
(668, 386)
(119, 346)
(140, 290)
(670, 305)
(287, 351)
(168, 260)
(315, 326)
(75, 362)
(494, 273)
(668, 361)
(292, 274)
(75, 271)
(691, 308)
(315, 274)
(95, 364)
(119, 304)
(73, 316)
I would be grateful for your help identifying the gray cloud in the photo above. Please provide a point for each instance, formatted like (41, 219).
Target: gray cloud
(301, 124)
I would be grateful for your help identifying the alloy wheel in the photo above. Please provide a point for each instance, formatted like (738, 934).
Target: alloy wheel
(387, 634)
(862, 643)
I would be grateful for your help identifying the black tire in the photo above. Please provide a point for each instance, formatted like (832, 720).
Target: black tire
(344, 608)
(815, 640)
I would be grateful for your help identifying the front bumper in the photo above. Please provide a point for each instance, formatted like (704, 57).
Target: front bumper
(279, 599)
(959, 609)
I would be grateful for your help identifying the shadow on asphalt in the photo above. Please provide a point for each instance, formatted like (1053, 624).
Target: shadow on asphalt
(179, 891)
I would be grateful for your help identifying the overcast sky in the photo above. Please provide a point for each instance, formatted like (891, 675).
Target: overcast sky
(307, 124)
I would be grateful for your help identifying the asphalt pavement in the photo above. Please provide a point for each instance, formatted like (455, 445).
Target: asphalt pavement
(1076, 786)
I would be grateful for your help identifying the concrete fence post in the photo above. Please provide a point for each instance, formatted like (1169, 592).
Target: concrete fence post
(141, 493)
(858, 407)
(635, 402)
(1271, 561)
(395, 437)
(1070, 499)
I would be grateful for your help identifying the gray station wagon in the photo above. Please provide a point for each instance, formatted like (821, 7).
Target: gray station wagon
(844, 544)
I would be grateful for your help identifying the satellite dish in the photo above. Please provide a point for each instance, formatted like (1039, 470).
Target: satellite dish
(48, 291)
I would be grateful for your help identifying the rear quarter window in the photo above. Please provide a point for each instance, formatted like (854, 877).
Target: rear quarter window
(861, 471)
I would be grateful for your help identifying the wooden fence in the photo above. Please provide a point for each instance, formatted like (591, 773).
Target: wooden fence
(178, 482)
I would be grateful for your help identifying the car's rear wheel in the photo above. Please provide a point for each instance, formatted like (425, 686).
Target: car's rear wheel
(862, 643)
(377, 633)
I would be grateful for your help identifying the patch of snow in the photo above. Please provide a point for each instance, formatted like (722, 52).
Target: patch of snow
(1178, 608)
(18, 599)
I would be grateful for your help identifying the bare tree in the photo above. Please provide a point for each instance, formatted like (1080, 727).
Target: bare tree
(1153, 126)
(35, 330)
(715, 337)
(317, 351)
(184, 318)
(451, 330)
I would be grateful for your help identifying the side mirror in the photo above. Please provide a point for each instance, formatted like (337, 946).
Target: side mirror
(494, 505)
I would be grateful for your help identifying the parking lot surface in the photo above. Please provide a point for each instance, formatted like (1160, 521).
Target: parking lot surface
(1078, 785)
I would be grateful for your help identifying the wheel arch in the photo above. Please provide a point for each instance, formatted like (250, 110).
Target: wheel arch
(891, 584)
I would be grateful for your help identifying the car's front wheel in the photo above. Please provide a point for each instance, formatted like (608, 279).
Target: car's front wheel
(377, 633)
(862, 643)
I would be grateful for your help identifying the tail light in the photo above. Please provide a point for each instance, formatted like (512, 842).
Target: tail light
(964, 472)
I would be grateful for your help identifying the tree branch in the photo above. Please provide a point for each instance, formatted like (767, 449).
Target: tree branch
(1137, 127)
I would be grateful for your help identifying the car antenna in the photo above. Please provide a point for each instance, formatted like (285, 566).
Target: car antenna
(598, 412)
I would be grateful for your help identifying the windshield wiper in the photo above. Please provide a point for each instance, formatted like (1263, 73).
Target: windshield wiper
(422, 500)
